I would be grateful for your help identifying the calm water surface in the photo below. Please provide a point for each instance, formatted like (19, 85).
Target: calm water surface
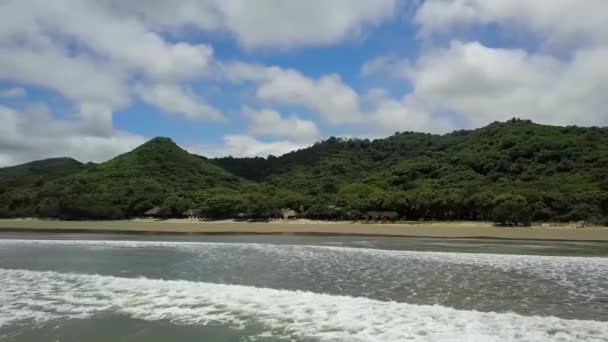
(295, 288)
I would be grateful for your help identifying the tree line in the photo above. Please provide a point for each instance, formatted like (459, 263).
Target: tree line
(352, 202)
(512, 172)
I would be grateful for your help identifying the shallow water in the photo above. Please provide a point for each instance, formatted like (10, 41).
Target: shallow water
(297, 288)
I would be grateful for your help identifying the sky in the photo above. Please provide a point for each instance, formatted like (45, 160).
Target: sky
(91, 79)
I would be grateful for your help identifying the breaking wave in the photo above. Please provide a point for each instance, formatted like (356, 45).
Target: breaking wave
(40, 296)
(585, 277)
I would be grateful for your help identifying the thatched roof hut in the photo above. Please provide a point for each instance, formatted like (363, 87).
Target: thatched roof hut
(153, 212)
(190, 213)
(382, 215)
(289, 213)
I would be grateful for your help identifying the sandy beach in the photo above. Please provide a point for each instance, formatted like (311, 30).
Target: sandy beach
(412, 229)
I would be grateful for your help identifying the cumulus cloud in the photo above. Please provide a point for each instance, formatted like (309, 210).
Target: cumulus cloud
(245, 146)
(270, 123)
(95, 56)
(100, 55)
(104, 33)
(173, 98)
(13, 92)
(293, 133)
(553, 21)
(480, 84)
(335, 101)
(90, 53)
(391, 66)
(487, 84)
(394, 115)
(78, 79)
(103, 55)
(35, 133)
(254, 23)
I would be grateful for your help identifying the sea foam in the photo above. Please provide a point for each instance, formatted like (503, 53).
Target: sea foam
(586, 277)
(33, 296)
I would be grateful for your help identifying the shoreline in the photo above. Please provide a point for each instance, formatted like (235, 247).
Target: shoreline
(462, 230)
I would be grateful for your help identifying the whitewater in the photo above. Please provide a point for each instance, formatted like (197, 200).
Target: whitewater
(36, 297)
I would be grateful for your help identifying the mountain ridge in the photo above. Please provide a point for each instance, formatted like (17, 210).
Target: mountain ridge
(545, 172)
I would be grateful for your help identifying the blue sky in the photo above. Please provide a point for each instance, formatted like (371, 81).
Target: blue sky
(395, 37)
(92, 79)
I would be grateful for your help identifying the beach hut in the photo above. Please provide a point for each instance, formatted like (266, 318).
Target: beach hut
(154, 212)
(382, 215)
(288, 214)
(190, 214)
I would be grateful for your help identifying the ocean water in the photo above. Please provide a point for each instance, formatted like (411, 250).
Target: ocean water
(292, 288)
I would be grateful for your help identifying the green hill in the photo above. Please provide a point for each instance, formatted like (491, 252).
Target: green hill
(515, 151)
(513, 171)
(156, 173)
(19, 184)
(41, 168)
(557, 173)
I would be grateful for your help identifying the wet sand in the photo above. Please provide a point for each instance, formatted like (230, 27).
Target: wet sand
(413, 229)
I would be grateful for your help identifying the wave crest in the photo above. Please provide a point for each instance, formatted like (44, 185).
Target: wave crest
(27, 296)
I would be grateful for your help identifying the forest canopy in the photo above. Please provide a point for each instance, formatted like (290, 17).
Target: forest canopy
(512, 172)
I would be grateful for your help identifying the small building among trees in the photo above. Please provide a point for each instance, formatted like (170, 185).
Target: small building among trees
(158, 212)
(289, 214)
(191, 214)
(382, 215)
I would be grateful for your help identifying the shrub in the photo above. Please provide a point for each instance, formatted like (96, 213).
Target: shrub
(511, 210)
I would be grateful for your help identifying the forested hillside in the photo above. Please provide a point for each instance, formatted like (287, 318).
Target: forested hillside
(156, 173)
(510, 172)
(19, 185)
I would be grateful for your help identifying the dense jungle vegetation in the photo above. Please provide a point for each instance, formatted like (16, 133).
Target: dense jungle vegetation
(512, 172)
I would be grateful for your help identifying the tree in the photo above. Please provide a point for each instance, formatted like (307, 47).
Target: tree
(360, 197)
(221, 206)
(583, 211)
(292, 200)
(328, 212)
(540, 211)
(141, 207)
(511, 210)
(165, 212)
(260, 206)
(48, 207)
(560, 171)
(178, 205)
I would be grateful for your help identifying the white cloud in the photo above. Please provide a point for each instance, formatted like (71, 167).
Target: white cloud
(101, 54)
(35, 133)
(391, 115)
(270, 23)
(245, 146)
(105, 33)
(294, 132)
(91, 54)
(78, 79)
(13, 92)
(271, 123)
(487, 84)
(335, 101)
(95, 119)
(556, 22)
(173, 98)
(481, 84)
(391, 66)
